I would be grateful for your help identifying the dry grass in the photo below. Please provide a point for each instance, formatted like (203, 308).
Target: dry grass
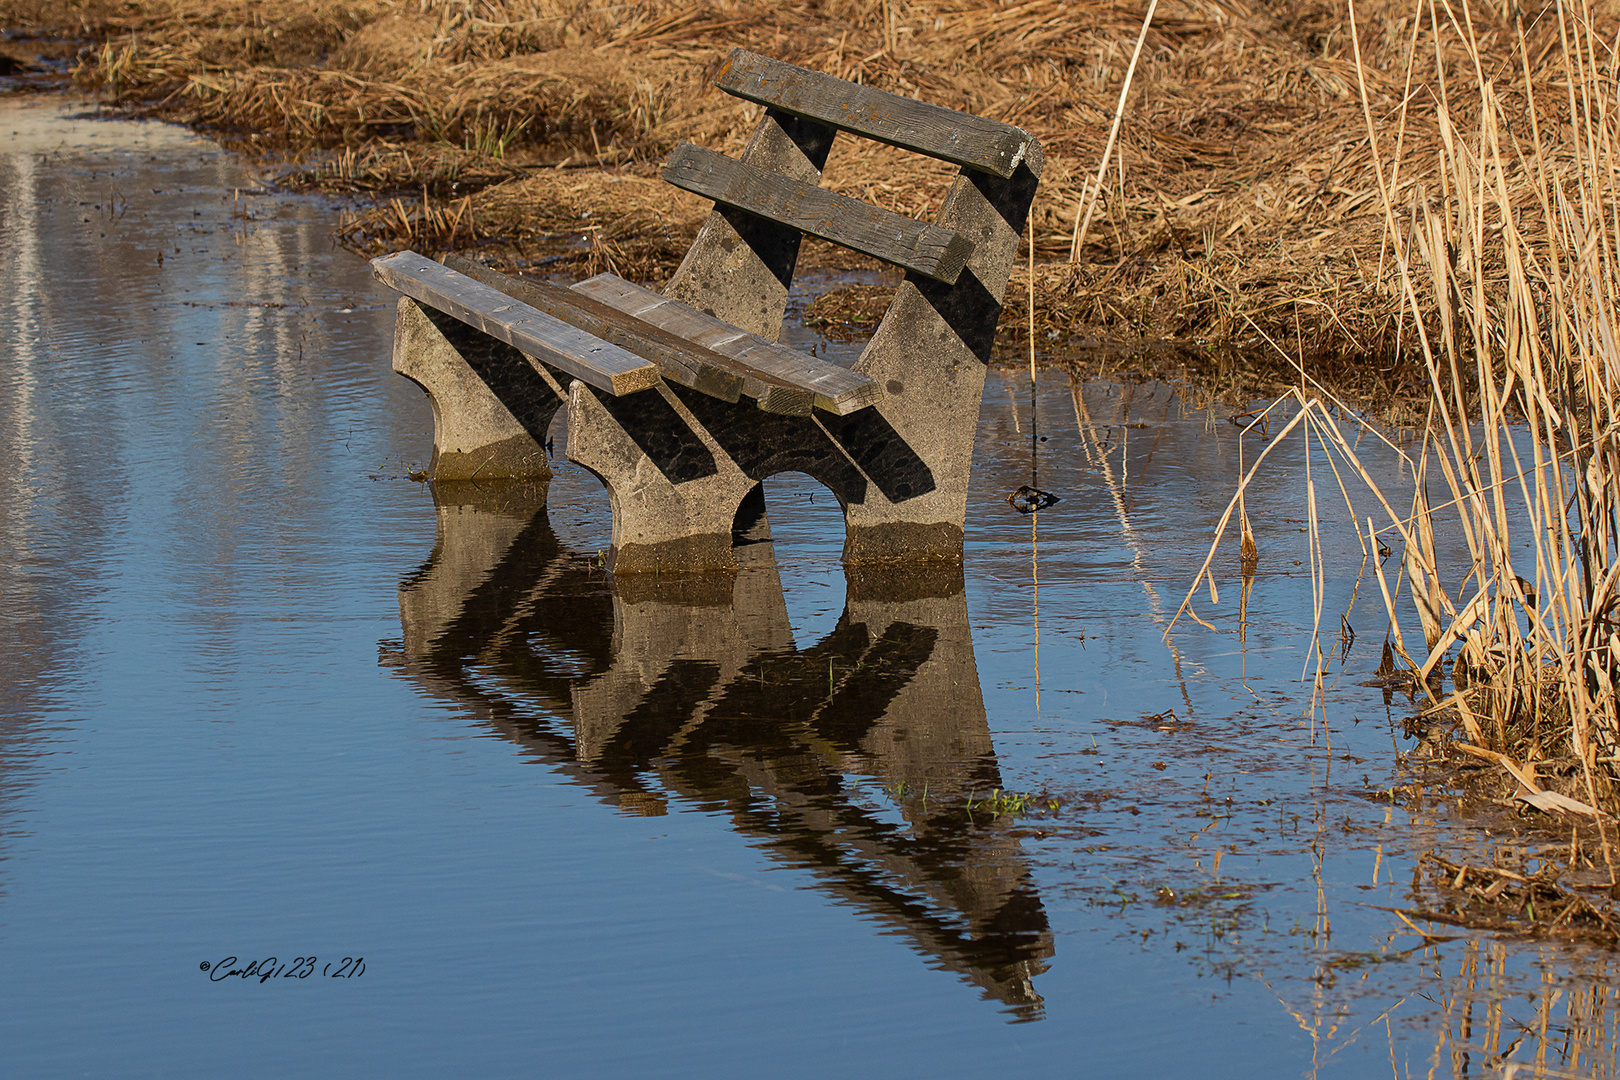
(1241, 191)
(1527, 292)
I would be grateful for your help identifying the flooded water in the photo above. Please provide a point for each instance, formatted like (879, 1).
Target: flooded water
(266, 697)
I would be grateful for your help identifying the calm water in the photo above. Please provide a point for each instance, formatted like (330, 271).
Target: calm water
(263, 696)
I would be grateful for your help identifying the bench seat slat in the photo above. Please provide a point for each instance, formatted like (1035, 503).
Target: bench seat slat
(835, 389)
(957, 137)
(679, 361)
(773, 395)
(912, 245)
(534, 333)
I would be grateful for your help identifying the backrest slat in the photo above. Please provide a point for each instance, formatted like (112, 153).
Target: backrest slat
(901, 241)
(961, 138)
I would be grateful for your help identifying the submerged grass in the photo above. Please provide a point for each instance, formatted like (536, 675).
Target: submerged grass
(1209, 168)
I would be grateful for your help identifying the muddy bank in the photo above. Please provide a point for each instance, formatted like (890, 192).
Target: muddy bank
(1240, 203)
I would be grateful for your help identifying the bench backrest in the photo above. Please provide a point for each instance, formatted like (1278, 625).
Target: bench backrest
(960, 138)
(741, 266)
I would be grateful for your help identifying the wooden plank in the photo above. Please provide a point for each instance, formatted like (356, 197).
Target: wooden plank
(679, 361)
(957, 137)
(835, 389)
(534, 333)
(773, 395)
(913, 245)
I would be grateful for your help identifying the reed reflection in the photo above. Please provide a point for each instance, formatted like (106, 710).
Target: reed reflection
(853, 758)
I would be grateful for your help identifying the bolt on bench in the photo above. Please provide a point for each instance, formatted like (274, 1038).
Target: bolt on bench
(682, 402)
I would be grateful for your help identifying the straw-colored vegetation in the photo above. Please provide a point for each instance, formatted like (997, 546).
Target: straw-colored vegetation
(1238, 195)
(1519, 255)
(1516, 249)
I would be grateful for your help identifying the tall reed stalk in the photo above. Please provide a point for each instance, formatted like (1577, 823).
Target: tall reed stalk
(1517, 261)
(1524, 367)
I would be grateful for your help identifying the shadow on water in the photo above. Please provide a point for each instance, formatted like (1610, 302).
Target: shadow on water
(854, 758)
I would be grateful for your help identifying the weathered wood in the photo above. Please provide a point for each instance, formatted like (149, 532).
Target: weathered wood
(741, 266)
(533, 333)
(773, 395)
(961, 138)
(912, 245)
(835, 389)
(679, 361)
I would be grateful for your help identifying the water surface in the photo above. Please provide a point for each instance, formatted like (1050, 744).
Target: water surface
(266, 696)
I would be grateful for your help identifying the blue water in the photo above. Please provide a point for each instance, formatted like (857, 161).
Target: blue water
(226, 735)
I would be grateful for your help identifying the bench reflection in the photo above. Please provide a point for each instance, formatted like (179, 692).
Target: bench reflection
(852, 758)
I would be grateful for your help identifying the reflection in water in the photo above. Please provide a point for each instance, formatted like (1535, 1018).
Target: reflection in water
(691, 688)
(152, 370)
(1490, 1023)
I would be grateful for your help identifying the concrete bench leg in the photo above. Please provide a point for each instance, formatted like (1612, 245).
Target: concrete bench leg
(674, 492)
(491, 404)
(929, 355)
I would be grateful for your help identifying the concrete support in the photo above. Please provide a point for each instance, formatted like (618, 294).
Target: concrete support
(674, 492)
(929, 355)
(491, 404)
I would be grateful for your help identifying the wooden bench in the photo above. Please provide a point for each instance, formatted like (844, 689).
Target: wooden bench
(681, 402)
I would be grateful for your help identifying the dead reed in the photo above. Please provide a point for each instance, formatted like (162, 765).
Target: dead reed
(1509, 270)
(1517, 253)
(1527, 296)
